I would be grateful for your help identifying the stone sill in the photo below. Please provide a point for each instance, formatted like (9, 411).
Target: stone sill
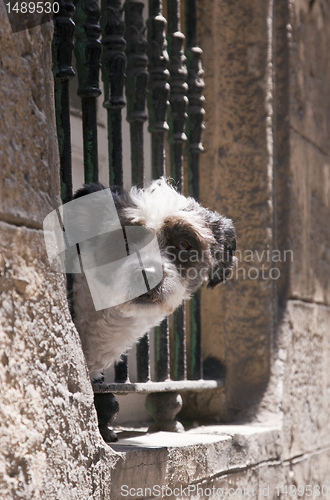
(193, 457)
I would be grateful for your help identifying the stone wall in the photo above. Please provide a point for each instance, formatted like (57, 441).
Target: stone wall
(303, 337)
(50, 446)
(268, 141)
(266, 69)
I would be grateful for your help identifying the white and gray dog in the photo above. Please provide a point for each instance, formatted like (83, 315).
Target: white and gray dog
(195, 245)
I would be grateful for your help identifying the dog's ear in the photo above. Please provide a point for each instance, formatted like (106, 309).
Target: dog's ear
(88, 189)
(223, 251)
(118, 194)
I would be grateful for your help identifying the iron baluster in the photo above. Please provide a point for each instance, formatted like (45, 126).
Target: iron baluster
(178, 93)
(63, 72)
(88, 52)
(179, 354)
(136, 91)
(157, 108)
(113, 76)
(158, 85)
(121, 370)
(143, 359)
(194, 135)
(136, 84)
(196, 365)
(177, 137)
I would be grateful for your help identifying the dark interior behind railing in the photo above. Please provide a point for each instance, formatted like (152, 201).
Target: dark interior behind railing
(155, 71)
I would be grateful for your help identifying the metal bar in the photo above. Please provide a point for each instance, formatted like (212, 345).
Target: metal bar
(179, 336)
(121, 370)
(62, 103)
(63, 72)
(136, 91)
(158, 84)
(89, 120)
(194, 132)
(178, 98)
(162, 336)
(115, 147)
(136, 85)
(196, 366)
(137, 153)
(196, 100)
(88, 52)
(157, 108)
(142, 359)
(113, 76)
(177, 137)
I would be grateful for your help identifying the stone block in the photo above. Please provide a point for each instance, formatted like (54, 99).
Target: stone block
(310, 71)
(29, 182)
(309, 222)
(138, 470)
(305, 400)
(49, 440)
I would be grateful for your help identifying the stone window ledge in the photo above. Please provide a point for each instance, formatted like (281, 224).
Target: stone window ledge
(199, 456)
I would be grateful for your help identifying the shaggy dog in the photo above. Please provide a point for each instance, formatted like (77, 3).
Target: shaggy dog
(174, 245)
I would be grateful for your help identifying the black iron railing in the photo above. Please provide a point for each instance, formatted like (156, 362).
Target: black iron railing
(159, 72)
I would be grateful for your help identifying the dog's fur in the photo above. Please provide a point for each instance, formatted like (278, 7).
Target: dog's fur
(190, 237)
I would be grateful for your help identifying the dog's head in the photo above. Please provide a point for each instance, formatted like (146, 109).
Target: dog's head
(194, 244)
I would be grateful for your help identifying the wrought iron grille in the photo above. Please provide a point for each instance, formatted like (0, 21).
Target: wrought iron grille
(155, 71)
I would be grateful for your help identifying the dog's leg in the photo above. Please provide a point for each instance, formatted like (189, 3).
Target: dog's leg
(107, 408)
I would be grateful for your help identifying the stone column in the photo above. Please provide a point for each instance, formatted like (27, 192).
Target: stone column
(237, 180)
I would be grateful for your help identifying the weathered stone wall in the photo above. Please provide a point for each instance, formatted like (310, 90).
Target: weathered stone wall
(50, 446)
(303, 335)
(266, 165)
(309, 120)
(274, 183)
